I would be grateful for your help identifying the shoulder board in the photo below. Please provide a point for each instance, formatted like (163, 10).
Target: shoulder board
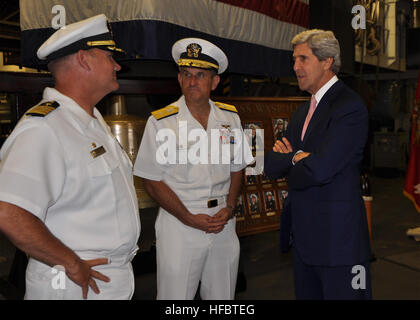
(43, 109)
(226, 107)
(165, 112)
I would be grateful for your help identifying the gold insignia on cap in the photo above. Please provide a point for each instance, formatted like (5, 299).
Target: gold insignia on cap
(114, 48)
(165, 112)
(93, 145)
(199, 53)
(109, 44)
(197, 64)
(193, 50)
(101, 43)
(82, 35)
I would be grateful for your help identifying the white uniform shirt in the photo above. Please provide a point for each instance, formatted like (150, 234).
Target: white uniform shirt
(194, 182)
(87, 202)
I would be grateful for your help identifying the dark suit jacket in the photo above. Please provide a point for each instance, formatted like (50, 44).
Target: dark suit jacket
(325, 210)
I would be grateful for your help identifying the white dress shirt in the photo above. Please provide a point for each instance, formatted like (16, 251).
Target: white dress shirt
(318, 96)
(193, 182)
(88, 202)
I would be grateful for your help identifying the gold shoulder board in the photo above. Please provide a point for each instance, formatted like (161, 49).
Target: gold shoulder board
(226, 107)
(165, 112)
(43, 109)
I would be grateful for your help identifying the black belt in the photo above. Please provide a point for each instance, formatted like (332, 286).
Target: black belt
(212, 203)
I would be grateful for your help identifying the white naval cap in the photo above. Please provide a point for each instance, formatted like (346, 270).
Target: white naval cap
(83, 35)
(199, 53)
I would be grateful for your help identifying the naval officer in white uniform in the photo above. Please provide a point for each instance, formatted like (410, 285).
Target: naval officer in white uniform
(66, 186)
(195, 229)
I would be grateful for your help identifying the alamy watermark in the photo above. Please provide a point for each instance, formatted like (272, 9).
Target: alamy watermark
(227, 146)
(58, 282)
(359, 280)
(59, 20)
(359, 20)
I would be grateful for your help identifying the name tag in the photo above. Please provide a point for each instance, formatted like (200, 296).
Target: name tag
(98, 152)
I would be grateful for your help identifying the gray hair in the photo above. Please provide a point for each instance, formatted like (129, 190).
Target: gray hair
(323, 44)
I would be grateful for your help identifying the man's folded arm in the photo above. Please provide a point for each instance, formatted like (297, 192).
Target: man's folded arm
(344, 143)
(277, 165)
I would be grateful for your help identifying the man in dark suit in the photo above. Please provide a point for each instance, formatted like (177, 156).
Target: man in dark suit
(320, 155)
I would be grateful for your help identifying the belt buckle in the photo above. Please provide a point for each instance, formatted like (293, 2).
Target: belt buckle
(212, 203)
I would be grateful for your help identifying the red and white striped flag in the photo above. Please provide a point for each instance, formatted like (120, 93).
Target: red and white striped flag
(254, 34)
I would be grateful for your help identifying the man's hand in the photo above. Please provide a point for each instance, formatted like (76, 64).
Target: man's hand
(29, 234)
(81, 273)
(221, 217)
(283, 146)
(299, 156)
(205, 223)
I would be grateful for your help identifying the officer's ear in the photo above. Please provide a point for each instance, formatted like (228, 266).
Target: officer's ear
(83, 59)
(180, 71)
(179, 77)
(215, 81)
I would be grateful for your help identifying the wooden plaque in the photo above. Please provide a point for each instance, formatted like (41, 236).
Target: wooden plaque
(261, 199)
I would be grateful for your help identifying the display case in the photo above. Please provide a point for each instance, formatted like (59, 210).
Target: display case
(260, 203)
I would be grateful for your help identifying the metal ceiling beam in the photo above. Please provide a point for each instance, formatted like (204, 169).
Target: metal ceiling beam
(11, 15)
(10, 23)
(409, 74)
(6, 36)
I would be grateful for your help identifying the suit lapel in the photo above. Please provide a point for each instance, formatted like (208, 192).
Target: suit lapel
(323, 109)
(299, 124)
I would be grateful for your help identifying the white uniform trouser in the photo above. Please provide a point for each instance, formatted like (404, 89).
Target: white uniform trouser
(42, 283)
(186, 256)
